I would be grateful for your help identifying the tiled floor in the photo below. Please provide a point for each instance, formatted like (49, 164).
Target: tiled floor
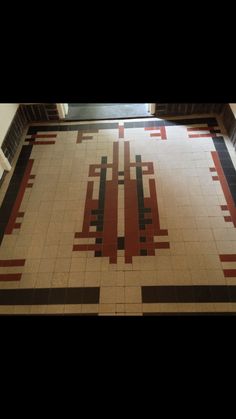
(132, 217)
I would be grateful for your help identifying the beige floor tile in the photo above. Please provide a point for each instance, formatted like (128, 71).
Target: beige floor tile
(43, 280)
(62, 265)
(132, 295)
(133, 308)
(107, 308)
(78, 265)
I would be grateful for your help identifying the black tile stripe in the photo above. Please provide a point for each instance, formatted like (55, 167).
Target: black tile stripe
(189, 294)
(227, 164)
(86, 127)
(192, 313)
(166, 122)
(13, 187)
(101, 196)
(44, 296)
(115, 125)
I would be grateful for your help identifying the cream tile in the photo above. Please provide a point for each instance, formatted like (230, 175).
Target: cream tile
(31, 266)
(107, 308)
(133, 295)
(133, 308)
(60, 280)
(76, 279)
(47, 265)
(62, 265)
(78, 265)
(92, 279)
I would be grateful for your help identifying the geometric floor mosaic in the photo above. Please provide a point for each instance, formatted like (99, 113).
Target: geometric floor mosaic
(128, 217)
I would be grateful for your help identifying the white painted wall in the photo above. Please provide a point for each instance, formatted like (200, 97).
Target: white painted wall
(7, 113)
(62, 109)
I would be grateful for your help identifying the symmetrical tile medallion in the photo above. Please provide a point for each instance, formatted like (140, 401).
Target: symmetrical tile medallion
(132, 217)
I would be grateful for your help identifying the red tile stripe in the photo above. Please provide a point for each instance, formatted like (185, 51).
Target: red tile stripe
(121, 131)
(227, 218)
(203, 128)
(225, 187)
(162, 133)
(215, 178)
(10, 226)
(228, 258)
(212, 169)
(42, 142)
(12, 262)
(20, 214)
(111, 210)
(201, 135)
(10, 277)
(17, 225)
(229, 273)
(224, 207)
(44, 136)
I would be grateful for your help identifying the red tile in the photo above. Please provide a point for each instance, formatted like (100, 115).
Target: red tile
(17, 225)
(202, 128)
(227, 258)
(162, 245)
(121, 131)
(227, 218)
(224, 207)
(12, 262)
(212, 169)
(229, 273)
(10, 277)
(215, 178)
(44, 136)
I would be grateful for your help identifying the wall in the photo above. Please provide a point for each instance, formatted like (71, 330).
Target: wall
(7, 113)
(178, 109)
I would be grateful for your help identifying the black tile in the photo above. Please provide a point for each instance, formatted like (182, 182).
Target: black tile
(40, 296)
(231, 291)
(97, 254)
(121, 182)
(189, 294)
(82, 295)
(16, 296)
(143, 252)
(142, 239)
(120, 243)
(195, 313)
(201, 294)
(99, 240)
(57, 296)
(219, 294)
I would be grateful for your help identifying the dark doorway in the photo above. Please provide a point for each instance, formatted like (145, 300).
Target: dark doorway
(89, 111)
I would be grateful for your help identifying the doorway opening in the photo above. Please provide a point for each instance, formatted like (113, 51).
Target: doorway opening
(94, 111)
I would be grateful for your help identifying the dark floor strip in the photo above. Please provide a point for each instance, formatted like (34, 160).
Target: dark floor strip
(44, 296)
(194, 313)
(189, 294)
(227, 164)
(84, 127)
(54, 315)
(166, 123)
(13, 188)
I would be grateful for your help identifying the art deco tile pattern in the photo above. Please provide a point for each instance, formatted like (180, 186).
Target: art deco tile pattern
(132, 217)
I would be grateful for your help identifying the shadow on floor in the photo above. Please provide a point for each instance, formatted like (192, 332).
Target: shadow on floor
(88, 111)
